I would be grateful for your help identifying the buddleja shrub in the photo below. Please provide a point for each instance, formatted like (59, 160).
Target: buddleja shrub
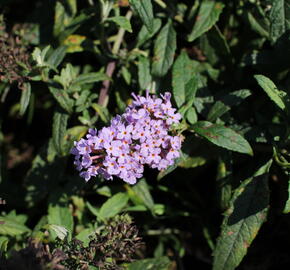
(171, 114)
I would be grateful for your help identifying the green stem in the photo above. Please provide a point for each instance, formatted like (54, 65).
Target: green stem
(120, 35)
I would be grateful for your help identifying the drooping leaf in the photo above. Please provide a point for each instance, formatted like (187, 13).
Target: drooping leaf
(145, 11)
(245, 217)
(122, 21)
(271, 90)
(25, 98)
(223, 137)
(164, 49)
(279, 18)
(207, 16)
(113, 206)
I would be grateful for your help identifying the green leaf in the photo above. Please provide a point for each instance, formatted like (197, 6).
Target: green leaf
(39, 56)
(224, 180)
(207, 16)
(271, 90)
(145, 11)
(287, 205)
(113, 206)
(64, 14)
(102, 112)
(164, 49)
(91, 77)
(59, 131)
(126, 74)
(182, 71)
(245, 217)
(161, 263)
(25, 97)
(3, 244)
(11, 225)
(57, 56)
(122, 21)
(60, 215)
(92, 209)
(191, 115)
(67, 75)
(84, 235)
(141, 189)
(257, 26)
(222, 136)
(279, 18)
(62, 98)
(219, 44)
(145, 35)
(191, 162)
(144, 76)
(60, 231)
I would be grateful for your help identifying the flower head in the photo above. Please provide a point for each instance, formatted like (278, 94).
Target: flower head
(139, 136)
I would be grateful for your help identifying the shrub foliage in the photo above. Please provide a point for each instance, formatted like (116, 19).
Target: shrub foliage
(67, 66)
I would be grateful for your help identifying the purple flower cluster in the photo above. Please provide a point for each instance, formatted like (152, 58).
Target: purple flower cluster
(139, 136)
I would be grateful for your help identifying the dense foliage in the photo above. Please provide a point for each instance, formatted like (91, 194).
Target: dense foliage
(67, 66)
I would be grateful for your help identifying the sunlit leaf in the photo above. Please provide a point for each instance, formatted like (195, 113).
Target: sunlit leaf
(223, 137)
